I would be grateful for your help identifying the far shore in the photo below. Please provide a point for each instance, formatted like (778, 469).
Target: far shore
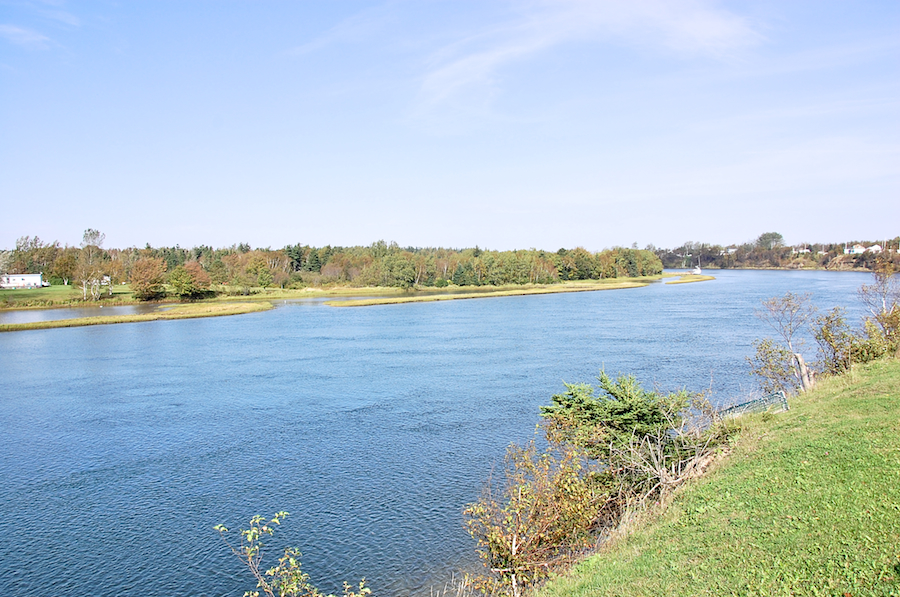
(226, 302)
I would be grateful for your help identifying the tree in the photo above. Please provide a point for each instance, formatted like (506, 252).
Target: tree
(89, 268)
(181, 282)
(786, 315)
(189, 280)
(5, 261)
(769, 240)
(65, 265)
(93, 238)
(882, 297)
(115, 273)
(147, 276)
(200, 278)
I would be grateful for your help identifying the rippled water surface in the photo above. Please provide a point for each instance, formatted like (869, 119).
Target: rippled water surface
(123, 445)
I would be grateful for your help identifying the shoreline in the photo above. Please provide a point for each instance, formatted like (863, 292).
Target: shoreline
(193, 311)
(235, 305)
(549, 289)
(261, 295)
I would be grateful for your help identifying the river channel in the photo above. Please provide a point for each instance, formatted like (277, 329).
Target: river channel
(122, 445)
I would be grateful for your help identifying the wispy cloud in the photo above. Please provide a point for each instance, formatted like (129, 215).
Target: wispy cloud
(62, 17)
(24, 37)
(687, 27)
(353, 30)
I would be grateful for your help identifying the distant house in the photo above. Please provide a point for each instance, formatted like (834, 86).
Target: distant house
(855, 250)
(874, 249)
(804, 250)
(21, 281)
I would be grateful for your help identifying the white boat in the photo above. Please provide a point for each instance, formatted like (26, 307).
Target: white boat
(696, 271)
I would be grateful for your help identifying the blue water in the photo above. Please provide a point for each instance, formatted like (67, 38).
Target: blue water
(122, 446)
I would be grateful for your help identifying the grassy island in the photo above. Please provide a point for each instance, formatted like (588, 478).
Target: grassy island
(190, 311)
(808, 503)
(497, 291)
(688, 278)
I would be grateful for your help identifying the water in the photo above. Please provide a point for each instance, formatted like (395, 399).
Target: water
(122, 446)
(32, 315)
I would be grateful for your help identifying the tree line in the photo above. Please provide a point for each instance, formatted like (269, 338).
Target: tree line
(192, 272)
(770, 251)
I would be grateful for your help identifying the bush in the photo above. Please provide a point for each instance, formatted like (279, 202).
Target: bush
(605, 452)
(549, 507)
(595, 423)
(872, 343)
(835, 340)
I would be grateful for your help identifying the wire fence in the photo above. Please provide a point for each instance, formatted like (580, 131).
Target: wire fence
(776, 402)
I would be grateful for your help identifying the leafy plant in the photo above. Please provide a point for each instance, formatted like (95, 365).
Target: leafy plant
(835, 340)
(287, 578)
(549, 506)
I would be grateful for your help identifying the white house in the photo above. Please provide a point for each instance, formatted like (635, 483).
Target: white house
(21, 281)
(855, 250)
(874, 249)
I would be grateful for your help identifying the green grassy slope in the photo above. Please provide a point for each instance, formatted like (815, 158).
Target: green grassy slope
(807, 504)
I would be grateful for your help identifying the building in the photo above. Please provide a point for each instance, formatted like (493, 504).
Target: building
(855, 250)
(21, 281)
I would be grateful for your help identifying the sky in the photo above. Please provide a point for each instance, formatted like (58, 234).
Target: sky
(500, 123)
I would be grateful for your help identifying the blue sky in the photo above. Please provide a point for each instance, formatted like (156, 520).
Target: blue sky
(506, 124)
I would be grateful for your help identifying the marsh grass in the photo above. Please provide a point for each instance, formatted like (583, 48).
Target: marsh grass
(71, 295)
(190, 311)
(688, 278)
(807, 504)
(468, 292)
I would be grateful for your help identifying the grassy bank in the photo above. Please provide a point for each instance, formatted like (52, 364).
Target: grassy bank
(58, 296)
(496, 291)
(180, 312)
(808, 503)
(71, 296)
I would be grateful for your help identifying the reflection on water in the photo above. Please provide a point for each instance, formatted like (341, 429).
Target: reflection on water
(122, 446)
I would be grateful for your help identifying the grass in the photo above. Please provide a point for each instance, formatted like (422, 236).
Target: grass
(180, 312)
(496, 291)
(808, 503)
(49, 296)
(688, 278)
(71, 295)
